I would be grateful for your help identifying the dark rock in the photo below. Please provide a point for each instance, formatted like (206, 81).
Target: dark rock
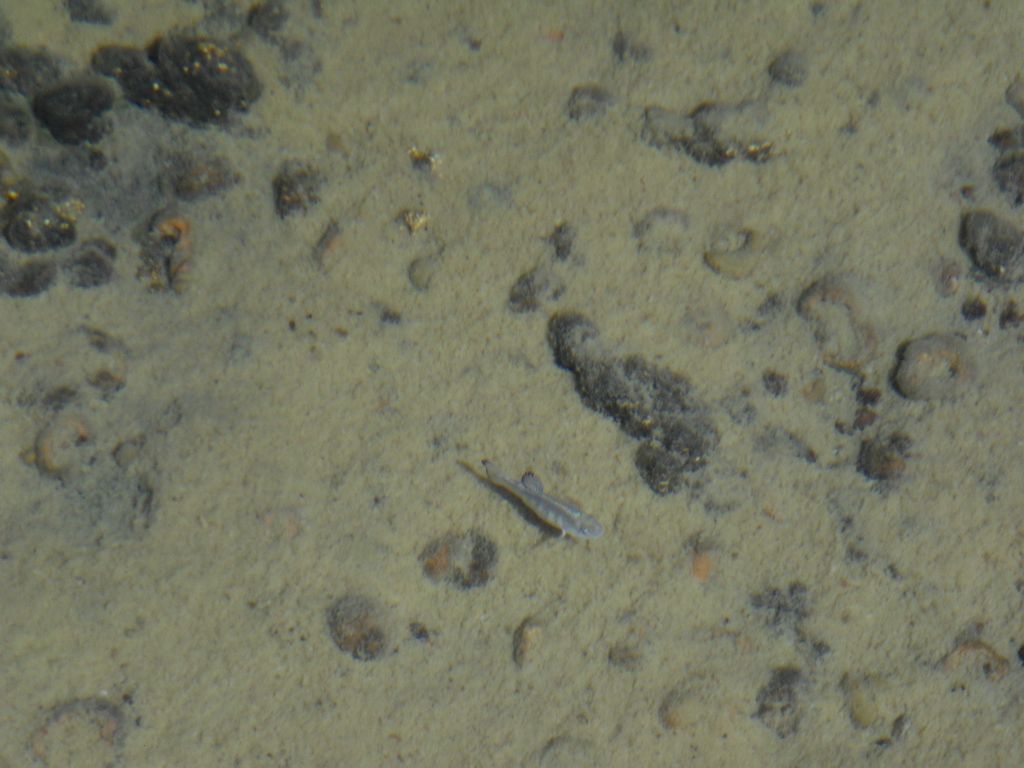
(267, 18)
(132, 68)
(355, 626)
(73, 110)
(534, 287)
(775, 383)
(205, 78)
(648, 403)
(660, 469)
(884, 457)
(33, 221)
(89, 12)
(28, 70)
(783, 607)
(195, 79)
(29, 279)
(1008, 173)
(994, 244)
(561, 240)
(777, 702)
(296, 188)
(788, 68)
(973, 308)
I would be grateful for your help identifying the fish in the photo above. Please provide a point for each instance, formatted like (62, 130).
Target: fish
(558, 513)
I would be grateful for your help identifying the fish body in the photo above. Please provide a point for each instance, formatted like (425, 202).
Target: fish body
(556, 512)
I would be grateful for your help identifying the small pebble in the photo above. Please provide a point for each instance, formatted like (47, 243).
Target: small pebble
(994, 244)
(30, 278)
(561, 240)
(789, 68)
(884, 457)
(625, 48)
(465, 560)
(1008, 174)
(731, 252)
(296, 188)
(61, 446)
(973, 308)
(89, 12)
(267, 18)
(28, 70)
(775, 383)
(935, 367)
(355, 626)
(778, 702)
(533, 288)
(422, 270)
(196, 176)
(861, 699)
(845, 339)
(1011, 316)
(681, 709)
(780, 607)
(73, 111)
(626, 655)
(663, 231)
(526, 636)
(34, 221)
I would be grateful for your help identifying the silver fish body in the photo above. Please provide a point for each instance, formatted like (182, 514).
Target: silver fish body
(556, 512)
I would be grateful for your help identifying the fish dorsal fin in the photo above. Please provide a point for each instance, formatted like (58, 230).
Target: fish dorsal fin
(532, 483)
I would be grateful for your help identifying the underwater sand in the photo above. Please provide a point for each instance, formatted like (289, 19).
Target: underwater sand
(297, 416)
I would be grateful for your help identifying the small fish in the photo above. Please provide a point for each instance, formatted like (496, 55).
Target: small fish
(558, 513)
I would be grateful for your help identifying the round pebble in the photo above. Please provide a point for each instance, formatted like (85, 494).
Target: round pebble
(34, 221)
(526, 636)
(680, 709)
(59, 446)
(884, 457)
(994, 244)
(355, 625)
(845, 339)
(731, 252)
(935, 367)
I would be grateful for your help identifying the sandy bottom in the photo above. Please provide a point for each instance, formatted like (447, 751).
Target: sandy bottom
(237, 526)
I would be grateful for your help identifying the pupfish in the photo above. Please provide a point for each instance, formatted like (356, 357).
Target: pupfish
(558, 513)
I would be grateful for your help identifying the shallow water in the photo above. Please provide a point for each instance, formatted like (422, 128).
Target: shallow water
(279, 425)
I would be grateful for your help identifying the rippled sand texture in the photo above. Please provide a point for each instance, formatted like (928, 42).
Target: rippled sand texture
(741, 279)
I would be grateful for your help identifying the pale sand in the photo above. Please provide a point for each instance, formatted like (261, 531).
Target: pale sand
(295, 465)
